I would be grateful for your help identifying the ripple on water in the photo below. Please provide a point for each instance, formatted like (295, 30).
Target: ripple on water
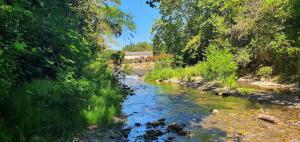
(193, 109)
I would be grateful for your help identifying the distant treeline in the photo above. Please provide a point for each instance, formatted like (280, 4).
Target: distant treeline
(138, 47)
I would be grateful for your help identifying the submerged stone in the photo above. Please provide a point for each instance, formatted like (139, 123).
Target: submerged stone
(170, 139)
(160, 122)
(177, 129)
(153, 134)
(137, 124)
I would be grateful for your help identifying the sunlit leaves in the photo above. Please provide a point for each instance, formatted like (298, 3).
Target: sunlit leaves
(20, 46)
(264, 26)
(50, 35)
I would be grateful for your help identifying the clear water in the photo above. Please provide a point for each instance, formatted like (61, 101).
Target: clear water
(193, 109)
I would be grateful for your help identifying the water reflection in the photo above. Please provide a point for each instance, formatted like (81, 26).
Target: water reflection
(193, 110)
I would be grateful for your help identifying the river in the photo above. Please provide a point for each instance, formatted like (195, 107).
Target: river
(205, 116)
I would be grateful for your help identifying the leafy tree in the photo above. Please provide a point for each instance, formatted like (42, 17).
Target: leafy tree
(265, 29)
(138, 47)
(53, 65)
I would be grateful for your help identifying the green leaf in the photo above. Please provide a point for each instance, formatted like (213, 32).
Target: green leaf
(50, 62)
(34, 50)
(66, 59)
(20, 46)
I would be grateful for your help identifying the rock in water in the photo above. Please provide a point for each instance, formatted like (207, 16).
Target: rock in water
(175, 128)
(215, 111)
(153, 134)
(169, 139)
(268, 118)
(138, 124)
(178, 129)
(160, 122)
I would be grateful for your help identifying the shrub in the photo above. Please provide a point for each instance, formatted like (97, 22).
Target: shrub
(160, 74)
(185, 74)
(265, 72)
(5, 135)
(201, 69)
(219, 65)
(56, 109)
(243, 57)
(163, 61)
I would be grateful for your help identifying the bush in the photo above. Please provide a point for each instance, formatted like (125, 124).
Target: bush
(163, 61)
(243, 57)
(53, 110)
(5, 134)
(265, 72)
(166, 73)
(219, 65)
(185, 74)
(160, 74)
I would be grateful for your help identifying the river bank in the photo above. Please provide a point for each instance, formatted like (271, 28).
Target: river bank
(258, 91)
(153, 109)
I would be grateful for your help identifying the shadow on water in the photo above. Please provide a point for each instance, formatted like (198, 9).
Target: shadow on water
(193, 110)
(172, 103)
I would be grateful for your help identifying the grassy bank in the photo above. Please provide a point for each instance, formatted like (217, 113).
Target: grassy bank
(56, 109)
(219, 65)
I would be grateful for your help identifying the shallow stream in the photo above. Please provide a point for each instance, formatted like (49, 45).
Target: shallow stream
(205, 116)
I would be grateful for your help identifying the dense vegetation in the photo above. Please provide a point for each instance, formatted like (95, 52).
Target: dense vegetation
(258, 33)
(54, 78)
(219, 65)
(138, 47)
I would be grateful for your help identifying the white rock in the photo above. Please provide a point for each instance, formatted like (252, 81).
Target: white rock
(215, 111)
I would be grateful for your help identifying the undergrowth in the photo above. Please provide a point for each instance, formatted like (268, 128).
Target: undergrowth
(219, 65)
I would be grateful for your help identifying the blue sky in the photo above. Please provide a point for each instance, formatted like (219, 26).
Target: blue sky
(143, 18)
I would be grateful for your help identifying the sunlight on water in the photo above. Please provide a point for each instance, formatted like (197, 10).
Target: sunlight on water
(193, 109)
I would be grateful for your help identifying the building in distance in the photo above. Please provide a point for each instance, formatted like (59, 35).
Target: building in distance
(138, 55)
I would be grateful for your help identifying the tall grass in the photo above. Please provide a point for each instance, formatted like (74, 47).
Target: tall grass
(160, 74)
(219, 65)
(53, 110)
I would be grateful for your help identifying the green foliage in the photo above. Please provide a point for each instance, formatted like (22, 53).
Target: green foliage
(160, 74)
(35, 102)
(245, 90)
(71, 103)
(127, 68)
(138, 47)
(164, 62)
(193, 52)
(255, 31)
(265, 72)
(38, 39)
(5, 134)
(243, 57)
(219, 65)
(117, 57)
(53, 70)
